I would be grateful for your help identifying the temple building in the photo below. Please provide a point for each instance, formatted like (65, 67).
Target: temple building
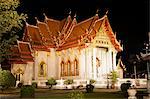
(65, 49)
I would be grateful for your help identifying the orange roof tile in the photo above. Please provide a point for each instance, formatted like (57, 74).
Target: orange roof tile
(15, 56)
(45, 33)
(33, 31)
(21, 53)
(66, 31)
(35, 37)
(54, 26)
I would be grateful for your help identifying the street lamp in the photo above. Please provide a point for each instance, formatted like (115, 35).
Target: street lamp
(148, 65)
(134, 63)
(146, 57)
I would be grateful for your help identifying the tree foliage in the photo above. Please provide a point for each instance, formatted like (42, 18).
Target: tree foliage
(10, 23)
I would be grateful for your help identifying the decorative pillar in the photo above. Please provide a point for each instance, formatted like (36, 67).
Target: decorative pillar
(85, 73)
(94, 63)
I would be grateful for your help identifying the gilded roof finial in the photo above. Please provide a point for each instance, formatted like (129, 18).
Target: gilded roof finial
(36, 19)
(26, 23)
(106, 12)
(75, 15)
(69, 12)
(45, 15)
(97, 11)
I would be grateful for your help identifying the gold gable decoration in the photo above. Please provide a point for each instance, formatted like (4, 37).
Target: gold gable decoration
(58, 53)
(120, 65)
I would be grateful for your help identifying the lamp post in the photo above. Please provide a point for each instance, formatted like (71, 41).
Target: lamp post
(146, 57)
(148, 65)
(134, 63)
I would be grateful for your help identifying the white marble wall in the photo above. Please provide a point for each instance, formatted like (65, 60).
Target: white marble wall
(38, 58)
(27, 77)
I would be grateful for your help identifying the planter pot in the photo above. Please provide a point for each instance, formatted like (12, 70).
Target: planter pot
(132, 93)
(69, 86)
(113, 86)
(89, 88)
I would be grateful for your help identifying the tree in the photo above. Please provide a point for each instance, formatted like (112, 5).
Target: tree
(10, 23)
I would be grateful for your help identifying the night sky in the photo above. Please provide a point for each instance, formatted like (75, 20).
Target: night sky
(128, 18)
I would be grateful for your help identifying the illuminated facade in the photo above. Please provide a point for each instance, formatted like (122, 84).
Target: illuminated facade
(66, 49)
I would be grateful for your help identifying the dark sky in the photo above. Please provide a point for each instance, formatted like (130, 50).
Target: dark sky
(128, 18)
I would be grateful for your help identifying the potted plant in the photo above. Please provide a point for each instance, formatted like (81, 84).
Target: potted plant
(113, 77)
(90, 86)
(51, 81)
(92, 81)
(68, 82)
(34, 84)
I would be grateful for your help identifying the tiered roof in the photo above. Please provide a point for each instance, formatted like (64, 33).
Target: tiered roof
(21, 53)
(67, 33)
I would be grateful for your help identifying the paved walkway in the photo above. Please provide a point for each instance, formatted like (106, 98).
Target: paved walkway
(15, 93)
(9, 96)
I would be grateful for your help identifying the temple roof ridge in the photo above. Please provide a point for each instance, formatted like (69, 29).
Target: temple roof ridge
(84, 21)
(53, 20)
(34, 26)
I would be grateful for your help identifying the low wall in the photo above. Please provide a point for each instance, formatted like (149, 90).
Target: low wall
(104, 83)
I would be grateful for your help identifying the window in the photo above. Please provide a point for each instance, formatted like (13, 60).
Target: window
(76, 66)
(42, 67)
(62, 68)
(69, 68)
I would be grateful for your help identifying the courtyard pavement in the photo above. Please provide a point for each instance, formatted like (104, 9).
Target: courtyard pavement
(15, 93)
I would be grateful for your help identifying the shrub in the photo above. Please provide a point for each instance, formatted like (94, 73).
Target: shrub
(27, 91)
(125, 86)
(76, 95)
(7, 79)
(51, 82)
(92, 81)
(34, 84)
(68, 81)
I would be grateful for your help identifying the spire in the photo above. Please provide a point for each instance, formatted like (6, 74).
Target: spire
(45, 15)
(106, 12)
(69, 12)
(36, 19)
(97, 11)
(26, 23)
(75, 15)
